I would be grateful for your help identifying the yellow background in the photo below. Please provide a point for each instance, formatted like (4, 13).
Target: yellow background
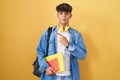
(23, 21)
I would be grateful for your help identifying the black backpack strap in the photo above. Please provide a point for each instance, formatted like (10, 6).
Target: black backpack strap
(48, 37)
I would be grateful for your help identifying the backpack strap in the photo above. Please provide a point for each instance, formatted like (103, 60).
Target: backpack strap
(48, 37)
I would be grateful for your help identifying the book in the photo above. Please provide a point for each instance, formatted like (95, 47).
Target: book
(56, 62)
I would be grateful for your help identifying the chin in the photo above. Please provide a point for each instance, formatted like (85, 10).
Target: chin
(64, 23)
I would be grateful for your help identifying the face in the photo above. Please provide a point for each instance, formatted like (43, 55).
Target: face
(64, 17)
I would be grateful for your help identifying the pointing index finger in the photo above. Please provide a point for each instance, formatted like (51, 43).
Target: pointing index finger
(59, 34)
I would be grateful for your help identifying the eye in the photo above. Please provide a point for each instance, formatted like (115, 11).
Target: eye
(60, 12)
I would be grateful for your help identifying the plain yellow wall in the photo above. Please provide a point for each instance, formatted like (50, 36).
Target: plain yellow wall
(23, 21)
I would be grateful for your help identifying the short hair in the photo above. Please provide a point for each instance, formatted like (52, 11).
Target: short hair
(65, 7)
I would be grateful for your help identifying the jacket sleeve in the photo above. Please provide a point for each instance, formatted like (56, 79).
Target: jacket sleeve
(41, 50)
(77, 47)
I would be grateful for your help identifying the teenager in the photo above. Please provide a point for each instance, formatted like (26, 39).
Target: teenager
(63, 39)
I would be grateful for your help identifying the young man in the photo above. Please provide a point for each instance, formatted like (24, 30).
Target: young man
(63, 39)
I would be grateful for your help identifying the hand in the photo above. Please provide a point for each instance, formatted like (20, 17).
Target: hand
(50, 71)
(63, 40)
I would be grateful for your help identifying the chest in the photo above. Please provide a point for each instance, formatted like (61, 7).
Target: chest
(65, 34)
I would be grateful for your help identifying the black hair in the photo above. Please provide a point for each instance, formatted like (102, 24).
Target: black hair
(65, 7)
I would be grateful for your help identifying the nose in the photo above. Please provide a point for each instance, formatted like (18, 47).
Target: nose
(63, 15)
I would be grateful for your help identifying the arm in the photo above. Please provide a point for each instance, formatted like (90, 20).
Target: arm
(41, 49)
(77, 48)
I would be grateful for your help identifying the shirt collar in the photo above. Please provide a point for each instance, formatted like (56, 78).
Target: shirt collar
(60, 28)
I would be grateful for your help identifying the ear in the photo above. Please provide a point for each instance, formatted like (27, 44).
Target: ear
(71, 15)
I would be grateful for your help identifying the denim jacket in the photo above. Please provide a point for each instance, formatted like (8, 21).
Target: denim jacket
(76, 48)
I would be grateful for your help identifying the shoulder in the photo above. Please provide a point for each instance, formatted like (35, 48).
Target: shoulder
(75, 32)
(45, 32)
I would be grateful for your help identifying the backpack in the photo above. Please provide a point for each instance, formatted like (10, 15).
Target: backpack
(36, 65)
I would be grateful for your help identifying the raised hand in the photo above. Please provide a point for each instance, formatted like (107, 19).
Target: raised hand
(63, 40)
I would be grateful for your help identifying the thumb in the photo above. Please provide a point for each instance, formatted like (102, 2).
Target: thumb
(52, 69)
